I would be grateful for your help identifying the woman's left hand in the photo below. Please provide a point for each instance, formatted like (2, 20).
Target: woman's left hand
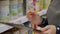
(49, 29)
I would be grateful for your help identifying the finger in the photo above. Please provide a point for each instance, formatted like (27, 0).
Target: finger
(44, 29)
(31, 15)
(47, 32)
(37, 32)
(33, 12)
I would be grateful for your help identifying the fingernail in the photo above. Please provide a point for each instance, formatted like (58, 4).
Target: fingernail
(38, 28)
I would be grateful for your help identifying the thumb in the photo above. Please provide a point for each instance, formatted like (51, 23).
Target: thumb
(44, 29)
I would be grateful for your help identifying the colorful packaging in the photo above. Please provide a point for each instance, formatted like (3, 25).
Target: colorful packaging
(32, 30)
(29, 5)
(24, 31)
(13, 9)
(46, 3)
(39, 5)
(20, 7)
(4, 10)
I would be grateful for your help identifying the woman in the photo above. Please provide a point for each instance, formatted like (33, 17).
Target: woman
(53, 16)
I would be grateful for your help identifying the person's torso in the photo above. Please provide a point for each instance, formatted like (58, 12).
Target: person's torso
(53, 13)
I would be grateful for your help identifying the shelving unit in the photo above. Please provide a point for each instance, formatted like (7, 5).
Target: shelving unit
(21, 20)
(4, 28)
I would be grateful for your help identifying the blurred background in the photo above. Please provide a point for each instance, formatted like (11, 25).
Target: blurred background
(11, 10)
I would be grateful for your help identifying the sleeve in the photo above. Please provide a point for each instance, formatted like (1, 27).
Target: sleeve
(57, 29)
(44, 22)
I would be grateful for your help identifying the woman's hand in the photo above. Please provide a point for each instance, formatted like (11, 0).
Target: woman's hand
(33, 17)
(49, 29)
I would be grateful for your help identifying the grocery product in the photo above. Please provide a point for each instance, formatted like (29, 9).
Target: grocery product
(4, 10)
(20, 7)
(13, 9)
(29, 5)
(24, 31)
(38, 5)
(30, 32)
(46, 3)
(41, 5)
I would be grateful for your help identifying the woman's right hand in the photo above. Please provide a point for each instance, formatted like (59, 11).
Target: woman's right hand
(34, 18)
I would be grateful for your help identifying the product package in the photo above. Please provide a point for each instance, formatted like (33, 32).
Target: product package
(46, 3)
(13, 9)
(29, 5)
(4, 10)
(38, 5)
(20, 8)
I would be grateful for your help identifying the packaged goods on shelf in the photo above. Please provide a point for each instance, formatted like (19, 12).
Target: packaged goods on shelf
(46, 3)
(13, 9)
(17, 32)
(36, 5)
(39, 5)
(4, 10)
(20, 7)
(30, 32)
(24, 31)
(29, 5)
(28, 24)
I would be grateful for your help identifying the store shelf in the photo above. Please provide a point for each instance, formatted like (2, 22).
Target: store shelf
(4, 28)
(24, 19)
(20, 20)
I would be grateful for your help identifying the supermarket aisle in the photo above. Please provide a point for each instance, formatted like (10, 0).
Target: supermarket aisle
(15, 11)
